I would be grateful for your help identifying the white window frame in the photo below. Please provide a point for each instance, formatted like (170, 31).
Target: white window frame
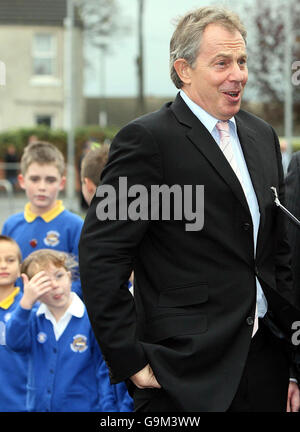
(40, 54)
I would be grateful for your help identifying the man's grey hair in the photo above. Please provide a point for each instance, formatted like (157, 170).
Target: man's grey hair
(186, 39)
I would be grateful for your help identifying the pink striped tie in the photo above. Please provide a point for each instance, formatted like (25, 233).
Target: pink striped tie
(226, 147)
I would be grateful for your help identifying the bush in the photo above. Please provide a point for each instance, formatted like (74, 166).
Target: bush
(296, 144)
(58, 137)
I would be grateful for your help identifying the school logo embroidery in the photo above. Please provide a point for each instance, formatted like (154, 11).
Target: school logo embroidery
(7, 316)
(79, 343)
(52, 238)
(41, 337)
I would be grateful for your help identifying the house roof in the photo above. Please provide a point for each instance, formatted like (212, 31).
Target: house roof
(34, 12)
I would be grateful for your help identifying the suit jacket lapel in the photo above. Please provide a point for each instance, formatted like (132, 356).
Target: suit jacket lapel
(254, 159)
(202, 139)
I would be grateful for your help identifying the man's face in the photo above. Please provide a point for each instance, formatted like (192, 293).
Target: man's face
(220, 74)
(42, 184)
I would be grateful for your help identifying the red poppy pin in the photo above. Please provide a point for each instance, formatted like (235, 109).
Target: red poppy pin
(33, 243)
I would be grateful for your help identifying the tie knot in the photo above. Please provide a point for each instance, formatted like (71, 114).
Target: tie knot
(223, 128)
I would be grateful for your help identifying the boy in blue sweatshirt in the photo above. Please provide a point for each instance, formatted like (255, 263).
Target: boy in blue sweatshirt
(64, 357)
(44, 223)
(13, 366)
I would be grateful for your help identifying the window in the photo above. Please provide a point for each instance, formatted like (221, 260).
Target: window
(45, 120)
(44, 54)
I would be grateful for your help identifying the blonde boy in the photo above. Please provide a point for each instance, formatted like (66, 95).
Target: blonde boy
(13, 370)
(44, 223)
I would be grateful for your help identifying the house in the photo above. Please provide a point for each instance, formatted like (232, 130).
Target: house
(33, 49)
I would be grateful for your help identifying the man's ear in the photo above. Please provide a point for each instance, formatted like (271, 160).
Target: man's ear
(62, 183)
(183, 70)
(21, 181)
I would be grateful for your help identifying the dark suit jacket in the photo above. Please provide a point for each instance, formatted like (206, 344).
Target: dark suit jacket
(293, 204)
(192, 313)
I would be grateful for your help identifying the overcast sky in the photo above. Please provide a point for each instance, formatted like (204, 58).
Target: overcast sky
(120, 65)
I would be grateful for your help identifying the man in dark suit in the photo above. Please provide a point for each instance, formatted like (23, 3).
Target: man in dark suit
(196, 336)
(293, 205)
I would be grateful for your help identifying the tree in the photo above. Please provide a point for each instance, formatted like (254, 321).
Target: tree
(266, 47)
(103, 23)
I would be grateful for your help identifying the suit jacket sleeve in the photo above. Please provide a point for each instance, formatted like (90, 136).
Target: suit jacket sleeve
(283, 257)
(293, 204)
(282, 307)
(107, 250)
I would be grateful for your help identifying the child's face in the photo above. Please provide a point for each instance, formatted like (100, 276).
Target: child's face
(42, 184)
(88, 189)
(58, 298)
(9, 264)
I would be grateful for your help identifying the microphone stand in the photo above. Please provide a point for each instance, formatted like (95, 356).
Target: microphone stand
(283, 209)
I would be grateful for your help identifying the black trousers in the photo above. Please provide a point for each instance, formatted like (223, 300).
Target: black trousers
(264, 383)
(263, 386)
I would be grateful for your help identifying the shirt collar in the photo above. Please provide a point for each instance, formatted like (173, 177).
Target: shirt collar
(8, 301)
(76, 308)
(206, 119)
(47, 216)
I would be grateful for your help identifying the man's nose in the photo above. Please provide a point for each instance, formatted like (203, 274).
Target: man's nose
(236, 74)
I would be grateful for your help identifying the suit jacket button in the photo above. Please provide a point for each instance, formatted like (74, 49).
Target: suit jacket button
(250, 321)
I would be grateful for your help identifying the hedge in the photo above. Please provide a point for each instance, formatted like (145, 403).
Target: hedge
(19, 137)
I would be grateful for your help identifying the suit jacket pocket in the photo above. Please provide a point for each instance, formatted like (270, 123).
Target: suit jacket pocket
(168, 326)
(184, 295)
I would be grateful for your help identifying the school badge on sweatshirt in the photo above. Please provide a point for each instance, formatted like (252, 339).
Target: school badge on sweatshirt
(79, 343)
(41, 337)
(52, 238)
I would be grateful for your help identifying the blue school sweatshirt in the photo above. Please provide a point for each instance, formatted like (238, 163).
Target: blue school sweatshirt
(13, 366)
(57, 229)
(63, 374)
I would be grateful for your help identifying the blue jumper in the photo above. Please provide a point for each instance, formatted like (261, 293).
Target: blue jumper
(13, 366)
(57, 229)
(63, 374)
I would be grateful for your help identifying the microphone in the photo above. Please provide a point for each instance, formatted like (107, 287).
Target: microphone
(283, 209)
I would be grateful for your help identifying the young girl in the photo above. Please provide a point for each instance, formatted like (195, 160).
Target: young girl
(13, 370)
(64, 357)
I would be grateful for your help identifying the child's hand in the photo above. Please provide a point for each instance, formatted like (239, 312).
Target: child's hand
(34, 288)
